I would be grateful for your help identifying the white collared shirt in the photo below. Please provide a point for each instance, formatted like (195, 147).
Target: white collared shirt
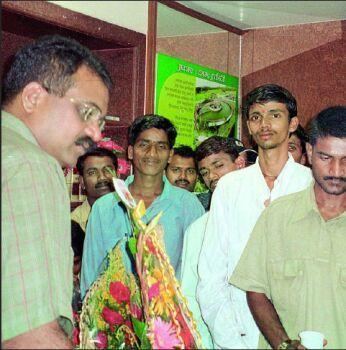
(237, 203)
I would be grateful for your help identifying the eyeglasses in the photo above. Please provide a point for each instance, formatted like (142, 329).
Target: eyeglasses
(88, 112)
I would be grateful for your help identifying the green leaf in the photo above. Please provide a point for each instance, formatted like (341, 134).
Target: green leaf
(133, 245)
(141, 329)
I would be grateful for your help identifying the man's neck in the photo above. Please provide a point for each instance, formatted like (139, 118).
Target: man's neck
(146, 187)
(91, 201)
(271, 162)
(330, 206)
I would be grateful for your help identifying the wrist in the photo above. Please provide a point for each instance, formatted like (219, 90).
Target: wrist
(289, 344)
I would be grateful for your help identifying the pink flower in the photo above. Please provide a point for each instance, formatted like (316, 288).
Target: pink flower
(101, 340)
(154, 290)
(110, 144)
(123, 166)
(164, 334)
(112, 317)
(136, 311)
(119, 292)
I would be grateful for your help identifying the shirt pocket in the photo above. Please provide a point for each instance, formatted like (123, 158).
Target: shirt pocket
(286, 282)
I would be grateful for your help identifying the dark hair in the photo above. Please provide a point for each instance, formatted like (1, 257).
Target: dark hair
(96, 152)
(150, 121)
(51, 60)
(329, 122)
(270, 92)
(185, 152)
(216, 144)
(77, 238)
(302, 136)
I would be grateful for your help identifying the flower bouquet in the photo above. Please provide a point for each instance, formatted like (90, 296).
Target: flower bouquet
(140, 310)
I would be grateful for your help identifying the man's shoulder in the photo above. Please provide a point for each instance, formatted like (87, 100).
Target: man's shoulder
(201, 222)
(177, 193)
(16, 150)
(107, 201)
(301, 170)
(287, 201)
(238, 177)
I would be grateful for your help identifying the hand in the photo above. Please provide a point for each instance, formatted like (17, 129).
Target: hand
(295, 344)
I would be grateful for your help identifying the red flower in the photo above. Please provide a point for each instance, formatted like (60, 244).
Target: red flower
(112, 317)
(129, 324)
(101, 340)
(185, 332)
(154, 290)
(119, 292)
(150, 246)
(75, 336)
(136, 311)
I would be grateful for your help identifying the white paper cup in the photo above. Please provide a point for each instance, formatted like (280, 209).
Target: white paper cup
(312, 339)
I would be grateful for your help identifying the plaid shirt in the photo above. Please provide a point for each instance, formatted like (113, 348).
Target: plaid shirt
(36, 269)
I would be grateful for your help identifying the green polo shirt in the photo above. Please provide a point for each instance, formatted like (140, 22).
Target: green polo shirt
(298, 260)
(36, 253)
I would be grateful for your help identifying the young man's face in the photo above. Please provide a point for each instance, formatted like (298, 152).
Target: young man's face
(328, 163)
(269, 124)
(182, 172)
(295, 148)
(60, 128)
(150, 153)
(213, 167)
(97, 176)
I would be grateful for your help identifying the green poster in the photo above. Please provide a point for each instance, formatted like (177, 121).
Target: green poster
(199, 101)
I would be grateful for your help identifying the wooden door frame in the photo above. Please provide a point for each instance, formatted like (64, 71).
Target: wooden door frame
(53, 14)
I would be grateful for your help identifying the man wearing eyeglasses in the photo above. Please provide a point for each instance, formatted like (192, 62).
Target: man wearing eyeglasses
(55, 97)
(237, 202)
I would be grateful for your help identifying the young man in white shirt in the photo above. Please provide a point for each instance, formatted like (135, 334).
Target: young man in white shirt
(238, 201)
(215, 156)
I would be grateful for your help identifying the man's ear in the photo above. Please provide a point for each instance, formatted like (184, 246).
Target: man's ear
(130, 152)
(81, 183)
(240, 162)
(303, 159)
(248, 127)
(309, 152)
(294, 122)
(170, 155)
(31, 96)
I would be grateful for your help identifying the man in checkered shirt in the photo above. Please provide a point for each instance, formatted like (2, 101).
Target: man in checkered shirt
(55, 97)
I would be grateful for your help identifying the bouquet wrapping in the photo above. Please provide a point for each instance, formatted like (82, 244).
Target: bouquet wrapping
(144, 309)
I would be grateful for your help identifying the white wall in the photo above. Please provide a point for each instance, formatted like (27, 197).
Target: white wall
(128, 14)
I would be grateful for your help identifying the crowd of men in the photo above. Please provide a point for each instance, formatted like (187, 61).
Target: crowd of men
(260, 253)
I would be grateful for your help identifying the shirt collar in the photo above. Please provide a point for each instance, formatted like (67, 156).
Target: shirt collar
(10, 121)
(167, 187)
(290, 161)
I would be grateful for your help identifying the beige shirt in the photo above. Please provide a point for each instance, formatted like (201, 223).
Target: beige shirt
(81, 214)
(298, 260)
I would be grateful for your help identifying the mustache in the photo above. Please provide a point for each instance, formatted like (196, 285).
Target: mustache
(343, 179)
(103, 184)
(183, 182)
(86, 142)
(213, 183)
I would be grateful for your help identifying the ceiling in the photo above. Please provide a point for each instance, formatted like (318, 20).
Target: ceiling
(250, 14)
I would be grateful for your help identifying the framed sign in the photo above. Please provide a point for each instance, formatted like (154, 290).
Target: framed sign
(199, 101)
